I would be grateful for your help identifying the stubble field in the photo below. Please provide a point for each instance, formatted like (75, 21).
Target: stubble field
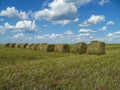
(22, 69)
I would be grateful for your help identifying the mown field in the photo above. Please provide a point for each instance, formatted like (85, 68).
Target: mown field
(22, 69)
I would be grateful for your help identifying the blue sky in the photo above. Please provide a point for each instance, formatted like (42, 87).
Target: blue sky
(59, 21)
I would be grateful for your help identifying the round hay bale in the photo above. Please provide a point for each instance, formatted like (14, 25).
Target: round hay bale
(7, 44)
(25, 45)
(48, 48)
(21, 45)
(28, 46)
(62, 48)
(17, 46)
(36, 47)
(78, 48)
(96, 48)
(39, 47)
(12, 45)
(33, 46)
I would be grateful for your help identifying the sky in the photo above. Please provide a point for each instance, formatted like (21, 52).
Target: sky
(59, 21)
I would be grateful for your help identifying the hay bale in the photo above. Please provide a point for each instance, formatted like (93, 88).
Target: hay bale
(28, 46)
(33, 46)
(17, 46)
(78, 48)
(7, 45)
(21, 45)
(25, 45)
(45, 47)
(62, 48)
(36, 47)
(12, 45)
(48, 48)
(96, 48)
(39, 47)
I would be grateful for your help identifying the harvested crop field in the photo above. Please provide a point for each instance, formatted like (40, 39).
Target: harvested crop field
(26, 69)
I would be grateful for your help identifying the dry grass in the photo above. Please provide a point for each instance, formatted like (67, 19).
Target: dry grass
(22, 69)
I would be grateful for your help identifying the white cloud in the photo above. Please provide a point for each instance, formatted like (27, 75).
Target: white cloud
(26, 25)
(68, 32)
(106, 26)
(53, 36)
(11, 12)
(48, 36)
(45, 3)
(102, 2)
(2, 30)
(21, 26)
(114, 35)
(110, 23)
(94, 19)
(83, 30)
(103, 28)
(82, 35)
(19, 35)
(61, 11)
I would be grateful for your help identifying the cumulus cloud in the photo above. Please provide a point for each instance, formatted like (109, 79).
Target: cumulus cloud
(2, 30)
(114, 35)
(82, 35)
(11, 12)
(68, 32)
(103, 28)
(85, 33)
(45, 3)
(109, 23)
(19, 35)
(102, 2)
(21, 26)
(83, 30)
(61, 11)
(53, 35)
(94, 19)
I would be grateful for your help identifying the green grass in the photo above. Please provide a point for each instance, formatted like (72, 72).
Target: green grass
(22, 69)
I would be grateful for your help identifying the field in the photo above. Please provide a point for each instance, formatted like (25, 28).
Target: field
(22, 69)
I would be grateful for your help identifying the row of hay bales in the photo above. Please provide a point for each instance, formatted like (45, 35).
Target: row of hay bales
(94, 48)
